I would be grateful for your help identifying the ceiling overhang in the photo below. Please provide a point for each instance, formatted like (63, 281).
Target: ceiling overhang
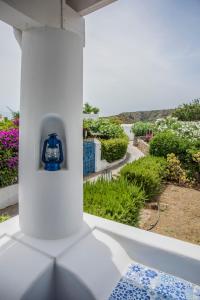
(84, 7)
(66, 14)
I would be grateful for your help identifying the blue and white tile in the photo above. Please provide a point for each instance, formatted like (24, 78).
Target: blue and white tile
(143, 283)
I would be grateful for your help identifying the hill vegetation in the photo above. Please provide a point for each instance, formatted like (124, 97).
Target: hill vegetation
(188, 111)
(145, 116)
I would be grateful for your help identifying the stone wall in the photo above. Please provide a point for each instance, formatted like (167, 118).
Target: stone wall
(143, 146)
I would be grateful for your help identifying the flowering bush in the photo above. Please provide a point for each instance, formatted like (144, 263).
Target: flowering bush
(113, 139)
(186, 151)
(148, 136)
(189, 130)
(175, 172)
(16, 122)
(196, 157)
(104, 128)
(192, 163)
(9, 143)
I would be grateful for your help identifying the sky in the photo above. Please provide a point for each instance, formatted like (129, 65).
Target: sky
(139, 55)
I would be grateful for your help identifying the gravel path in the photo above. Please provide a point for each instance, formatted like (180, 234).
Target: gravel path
(133, 154)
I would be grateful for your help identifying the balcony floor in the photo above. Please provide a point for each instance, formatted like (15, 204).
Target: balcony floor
(89, 264)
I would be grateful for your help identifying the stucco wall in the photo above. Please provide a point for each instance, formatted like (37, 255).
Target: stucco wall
(102, 164)
(8, 196)
(128, 130)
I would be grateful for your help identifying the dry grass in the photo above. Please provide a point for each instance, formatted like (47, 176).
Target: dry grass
(179, 216)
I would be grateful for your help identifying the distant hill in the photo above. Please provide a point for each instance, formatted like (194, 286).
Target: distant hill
(149, 115)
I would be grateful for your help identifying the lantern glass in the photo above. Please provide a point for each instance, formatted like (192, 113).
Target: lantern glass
(52, 154)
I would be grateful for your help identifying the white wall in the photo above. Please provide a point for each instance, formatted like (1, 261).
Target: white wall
(102, 164)
(128, 131)
(8, 196)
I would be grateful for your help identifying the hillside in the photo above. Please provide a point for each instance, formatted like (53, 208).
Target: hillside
(151, 115)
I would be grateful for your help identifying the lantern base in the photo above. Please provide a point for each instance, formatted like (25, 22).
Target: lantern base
(52, 166)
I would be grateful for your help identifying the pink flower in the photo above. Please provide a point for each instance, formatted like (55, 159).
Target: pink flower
(12, 162)
(16, 122)
(9, 139)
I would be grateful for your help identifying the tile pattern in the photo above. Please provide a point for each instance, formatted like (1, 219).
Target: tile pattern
(143, 283)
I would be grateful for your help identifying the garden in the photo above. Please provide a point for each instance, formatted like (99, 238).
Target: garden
(174, 158)
(114, 141)
(177, 139)
(120, 199)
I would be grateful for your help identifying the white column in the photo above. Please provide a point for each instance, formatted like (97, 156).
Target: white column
(50, 203)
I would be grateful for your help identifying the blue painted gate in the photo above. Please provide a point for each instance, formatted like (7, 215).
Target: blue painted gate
(88, 157)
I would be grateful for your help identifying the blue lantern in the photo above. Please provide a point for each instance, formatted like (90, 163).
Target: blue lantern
(52, 153)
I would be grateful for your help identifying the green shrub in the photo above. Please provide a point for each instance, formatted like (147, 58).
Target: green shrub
(6, 124)
(104, 128)
(87, 123)
(168, 142)
(4, 218)
(116, 200)
(188, 112)
(142, 128)
(114, 149)
(8, 176)
(186, 150)
(147, 173)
